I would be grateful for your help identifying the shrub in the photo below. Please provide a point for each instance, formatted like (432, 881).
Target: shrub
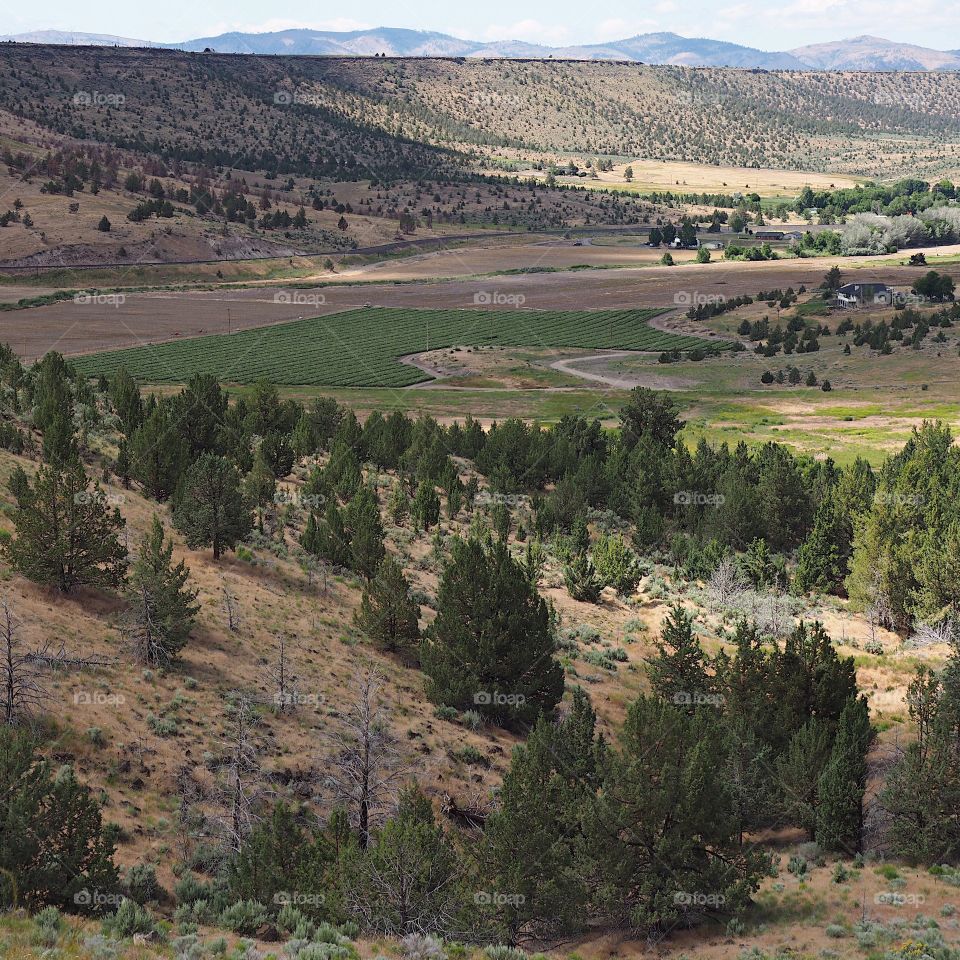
(502, 952)
(290, 918)
(141, 883)
(419, 947)
(244, 917)
(471, 719)
(797, 865)
(129, 919)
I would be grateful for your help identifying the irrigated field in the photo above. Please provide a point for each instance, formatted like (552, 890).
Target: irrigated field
(361, 348)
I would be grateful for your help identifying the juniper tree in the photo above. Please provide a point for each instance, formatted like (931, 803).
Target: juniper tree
(535, 844)
(126, 401)
(581, 579)
(66, 532)
(53, 841)
(159, 453)
(425, 509)
(491, 646)
(843, 781)
(164, 607)
(22, 691)
(365, 771)
(921, 795)
(388, 614)
(210, 509)
(260, 486)
(327, 538)
(679, 671)
(365, 532)
(408, 879)
(666, 826)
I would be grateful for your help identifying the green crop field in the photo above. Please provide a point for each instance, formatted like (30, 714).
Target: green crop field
(361, 348)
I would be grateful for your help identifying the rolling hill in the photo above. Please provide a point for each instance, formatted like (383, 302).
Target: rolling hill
(858, 53)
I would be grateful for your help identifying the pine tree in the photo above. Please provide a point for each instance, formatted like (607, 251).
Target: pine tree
(365, 532)
(210, 510)
(678, 673)
(159, 453)
(164, 607)
(492, 645)
(666, 826)
(388, 614)
(843, 781)
(425, 510)
(408, 880)
(798, 772)
(53, 842)
(66, 533)
(260, 486)
(535, 844)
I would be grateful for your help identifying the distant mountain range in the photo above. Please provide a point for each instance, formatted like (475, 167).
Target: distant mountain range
(857, 53)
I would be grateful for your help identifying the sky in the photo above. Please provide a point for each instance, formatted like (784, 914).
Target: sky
(767, 24)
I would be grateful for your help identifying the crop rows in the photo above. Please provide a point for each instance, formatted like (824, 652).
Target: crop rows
(361, 348)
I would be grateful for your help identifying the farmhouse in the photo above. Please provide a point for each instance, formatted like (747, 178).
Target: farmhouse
(863, 294)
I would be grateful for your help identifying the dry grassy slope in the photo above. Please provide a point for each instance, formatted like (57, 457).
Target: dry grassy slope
(719, 116)
(138, 770)
(390, 115)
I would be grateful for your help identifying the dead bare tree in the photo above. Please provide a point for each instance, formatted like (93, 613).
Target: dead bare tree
(241, 773)
(933, 634)
(23, 690)
(365, 765)
(283, 679)
(725, 585)
(230, 607)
